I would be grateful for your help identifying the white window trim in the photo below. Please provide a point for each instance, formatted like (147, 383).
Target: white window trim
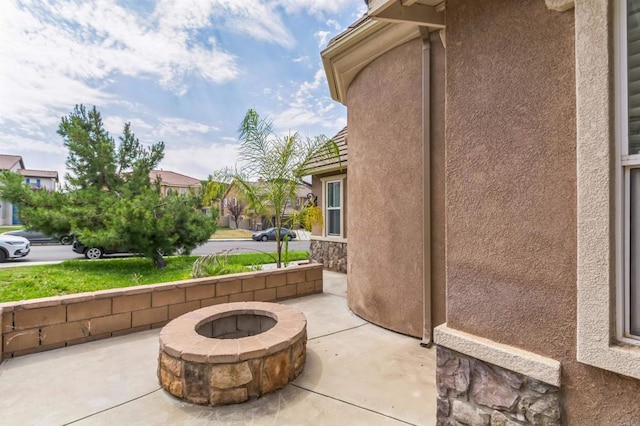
(599, 211)
(325, 181)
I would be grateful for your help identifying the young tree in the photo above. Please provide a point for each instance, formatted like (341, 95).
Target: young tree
(109, 200)
(272, 167)
(236, 209)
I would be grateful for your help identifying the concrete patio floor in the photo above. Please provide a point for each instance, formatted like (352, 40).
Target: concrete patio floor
(356, 373)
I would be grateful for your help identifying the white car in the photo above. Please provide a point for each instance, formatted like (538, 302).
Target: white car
(12, 247)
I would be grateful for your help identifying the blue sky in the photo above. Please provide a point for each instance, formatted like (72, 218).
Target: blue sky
(181, 71)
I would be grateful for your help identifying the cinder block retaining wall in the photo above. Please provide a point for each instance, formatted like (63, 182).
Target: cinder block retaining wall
(55, 322)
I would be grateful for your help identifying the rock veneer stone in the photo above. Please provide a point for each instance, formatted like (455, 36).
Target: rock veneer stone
(220, 370)
(332, 254)
(472, 392)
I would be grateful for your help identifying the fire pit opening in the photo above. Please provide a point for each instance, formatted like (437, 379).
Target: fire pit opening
(236, 326)
(232, 352)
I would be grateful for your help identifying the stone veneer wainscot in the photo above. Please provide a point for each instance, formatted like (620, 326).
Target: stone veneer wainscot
(331, 254)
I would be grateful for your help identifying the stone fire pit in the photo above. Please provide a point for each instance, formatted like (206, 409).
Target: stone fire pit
(229, 353)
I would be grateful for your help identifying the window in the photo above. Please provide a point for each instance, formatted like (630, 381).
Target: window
(629, 149)
(183, 191)
(334, 208)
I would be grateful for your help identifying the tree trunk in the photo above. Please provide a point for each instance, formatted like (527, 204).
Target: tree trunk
(159, 261)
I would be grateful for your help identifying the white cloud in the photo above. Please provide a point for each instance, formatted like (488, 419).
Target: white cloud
(200, 162)
(310, 107)
(333, 24)
(315, 7)
(322, 37)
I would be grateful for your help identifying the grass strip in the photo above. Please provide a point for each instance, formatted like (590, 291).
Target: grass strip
(79, 276)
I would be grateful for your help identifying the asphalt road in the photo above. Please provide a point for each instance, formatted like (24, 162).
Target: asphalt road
(54, 252)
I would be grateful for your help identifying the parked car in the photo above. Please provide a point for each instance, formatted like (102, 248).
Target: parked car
(270, 234)
(91, 252)
(12, 247)
(36, 237)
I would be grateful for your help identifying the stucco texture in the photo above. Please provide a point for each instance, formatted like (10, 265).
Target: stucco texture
(511, 193)
(386, 192)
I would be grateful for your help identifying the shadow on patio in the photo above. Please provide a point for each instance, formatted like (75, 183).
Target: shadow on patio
(356, 373)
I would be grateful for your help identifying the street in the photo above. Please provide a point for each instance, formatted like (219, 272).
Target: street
(53, 253)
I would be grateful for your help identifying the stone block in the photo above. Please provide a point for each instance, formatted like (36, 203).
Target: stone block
(167, 297)
(130, 303)
(254, 387)
(150, 316)
(265, 295)
(251, 348)
(545, 411)
(275, 373)
(223, 326)
(467, 414)
(298, 358)
(313, 274)
(170, 364)
(64, 332)
(214, 301)
(126, 331)
(251, 284)
(241, 297)
(182, 308)
(318, 286)
(110, 323)
(230, 396)
(452, 373)
(21, 340)
(491, 389)
(276, 280)
(227, 376)
(196, 381)
(305, 288)
(444, 407)
(199, 292)
(228, 287)
(296, 277)
(499, 419)
(286, 291)
(89, 309)
(35, 318)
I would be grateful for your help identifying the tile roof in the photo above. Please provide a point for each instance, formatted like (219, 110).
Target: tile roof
(8, 161)
(170, 178)
(39, 173)
(363, 19)
(323, 163)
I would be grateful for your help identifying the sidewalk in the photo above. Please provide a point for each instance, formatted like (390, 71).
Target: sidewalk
(355, 374)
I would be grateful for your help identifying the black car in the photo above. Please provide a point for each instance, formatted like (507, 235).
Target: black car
(94, 252)
(36, 237)
(270, 234)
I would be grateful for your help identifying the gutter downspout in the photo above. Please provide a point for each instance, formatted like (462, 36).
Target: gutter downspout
(427, 337)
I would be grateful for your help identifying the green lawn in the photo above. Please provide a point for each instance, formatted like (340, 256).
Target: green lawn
(227, 233)
(78, 276)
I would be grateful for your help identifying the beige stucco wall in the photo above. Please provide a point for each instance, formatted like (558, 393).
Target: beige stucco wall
(511, 193)
(386, 192)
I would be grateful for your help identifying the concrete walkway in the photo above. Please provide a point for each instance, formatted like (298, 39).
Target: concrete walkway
(355, 374)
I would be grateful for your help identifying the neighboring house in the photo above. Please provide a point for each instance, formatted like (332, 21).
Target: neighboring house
(249, 220)
(37, 179)
(329, 180)
(174, 183)
(534, 308)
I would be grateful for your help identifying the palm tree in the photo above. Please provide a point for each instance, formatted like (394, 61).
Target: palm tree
(272, 167)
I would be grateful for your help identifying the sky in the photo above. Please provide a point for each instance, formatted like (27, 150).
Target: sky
(180, 71)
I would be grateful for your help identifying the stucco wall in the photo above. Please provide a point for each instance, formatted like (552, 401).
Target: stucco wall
(386, 194)
(511, 193)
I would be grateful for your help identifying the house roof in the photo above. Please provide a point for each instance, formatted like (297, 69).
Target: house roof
(170, 178)
(52, 174)
(321, 165)
(8, 161)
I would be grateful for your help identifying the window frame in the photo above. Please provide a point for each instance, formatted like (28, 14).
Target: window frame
(600, 186)
(624, 164)
(325, 205)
